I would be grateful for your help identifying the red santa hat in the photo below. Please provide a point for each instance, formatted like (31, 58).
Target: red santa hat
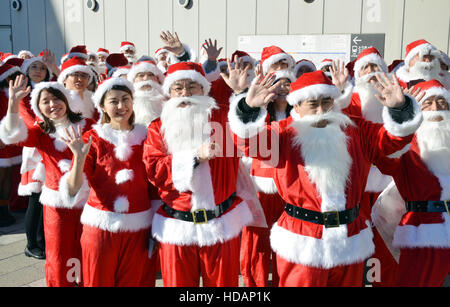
(73, 65)
(303, 63)
(113, 61)
(420, 47)
(273, 54)
(159, 51)
(310, 86)
(243, 57)
(106, 86)
(127, 45)
(102, 51)
(186, 70)
(15, 62)
(42, 86)
(396, 64)
(27, 63)
(351, 68)
(280, 74)
(25, 52)
(7, 70)
(7, 56)
(145, 66)
(121, 70)
(369, 56)
(325, 62)
(433, 88)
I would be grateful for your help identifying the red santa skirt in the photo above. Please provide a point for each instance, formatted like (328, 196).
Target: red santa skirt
(256, 252)
(218, 265)
(62, 230)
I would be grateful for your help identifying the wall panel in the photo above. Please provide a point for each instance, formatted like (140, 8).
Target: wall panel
(306, 18)
(115, 24)
(185, 23)
(54, 17)
(137, 25)
(272, 17)
(241, 20)
(160, 19)
(94, 27)
(342, 16)
(212, 23)
(73, 23)
(36, 23)
(19, 29)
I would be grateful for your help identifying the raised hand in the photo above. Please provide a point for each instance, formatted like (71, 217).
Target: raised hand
(339, 74)
(18, 90)
(390, 92)
(75, 143)
(415, 92)
(208, 151)
(172, 43)
(262, 92)
(211, 50)
(49, 59)
(237, 78)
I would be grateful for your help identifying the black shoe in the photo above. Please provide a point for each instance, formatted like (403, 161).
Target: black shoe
(35, 253)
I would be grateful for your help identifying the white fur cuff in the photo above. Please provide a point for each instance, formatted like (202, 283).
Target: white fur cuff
(79, 199)
(17, 134)
(250, 129)
(406, 128)
(183, 169)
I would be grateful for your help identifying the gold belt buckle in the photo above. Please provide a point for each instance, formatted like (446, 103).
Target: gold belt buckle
(446, 203)
(204, 214)
(326, 217)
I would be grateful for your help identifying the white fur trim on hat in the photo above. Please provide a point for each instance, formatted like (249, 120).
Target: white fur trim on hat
(304, 63)
(9, 72)
(27, 63)
(37, 90)
(276, 58)
(73, 69)
(422, 50)
(285, 74)
(126, 47)
(323, 64)
(186, 74)
(103, 53)
(313, 92)
(369, 59)
(25, 52)
(436, 91)
(120, 71)
(106, 86)
(145, 67)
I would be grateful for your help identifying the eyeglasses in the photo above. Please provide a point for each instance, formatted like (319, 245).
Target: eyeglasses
(79, 75)
(192, 87)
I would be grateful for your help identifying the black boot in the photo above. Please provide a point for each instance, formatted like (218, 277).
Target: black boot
(6, 219)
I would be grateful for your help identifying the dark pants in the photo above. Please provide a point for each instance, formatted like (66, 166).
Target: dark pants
(34, 225)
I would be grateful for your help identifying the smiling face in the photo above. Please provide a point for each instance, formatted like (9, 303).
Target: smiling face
(37, 72)
(118, 106)
(52, 106)
(315, 107)
(77, 81)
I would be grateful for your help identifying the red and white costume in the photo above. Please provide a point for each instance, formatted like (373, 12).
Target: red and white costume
(189, 250)
(309, 254)
(421, 175)
(61, 220)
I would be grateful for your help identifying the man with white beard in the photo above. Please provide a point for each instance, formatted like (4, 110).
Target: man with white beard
(198, 225)
(421, 64)
(320, 239)
(148, 95)
(128, 49)
(102, 54)
(444, 74)
(422, 177)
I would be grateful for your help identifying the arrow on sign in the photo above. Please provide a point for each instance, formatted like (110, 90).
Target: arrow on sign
(356, 40)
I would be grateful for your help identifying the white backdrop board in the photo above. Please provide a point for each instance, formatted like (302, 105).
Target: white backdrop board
(312, 47)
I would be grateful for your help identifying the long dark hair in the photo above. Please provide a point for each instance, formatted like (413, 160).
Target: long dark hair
(105, 118)
(46, 79)
(47, 125)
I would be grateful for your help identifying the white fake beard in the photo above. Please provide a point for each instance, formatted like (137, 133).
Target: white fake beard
(371, 108)
(187, 128)
(84, 106)
(326, 157)
(433, 139)
(131, 58)
(147, 105)
(425, 71)
(161, 66)
(101, 66)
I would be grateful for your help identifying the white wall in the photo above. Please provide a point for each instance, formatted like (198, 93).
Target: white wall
(61, 24)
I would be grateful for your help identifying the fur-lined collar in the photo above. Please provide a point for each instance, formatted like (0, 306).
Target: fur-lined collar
(122, 140)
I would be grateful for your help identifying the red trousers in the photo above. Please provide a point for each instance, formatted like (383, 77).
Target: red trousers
(218, 265)
(256, 252)
(297, 275)
(423, 267)
(62, 231)
(117, 259)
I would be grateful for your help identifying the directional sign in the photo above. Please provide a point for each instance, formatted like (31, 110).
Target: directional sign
(359, 42)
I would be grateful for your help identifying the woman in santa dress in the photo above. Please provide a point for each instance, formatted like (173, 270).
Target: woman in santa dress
(51, 104)
(117, 216)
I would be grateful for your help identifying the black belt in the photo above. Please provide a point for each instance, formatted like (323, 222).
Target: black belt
(328, 219)
(200, 216)
(428, 206)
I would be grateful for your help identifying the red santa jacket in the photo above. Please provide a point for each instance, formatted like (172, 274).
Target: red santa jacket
(183, 187)
(305, 242)
(10, 154)
(119, 197)
(56, 157)
(415, 182)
